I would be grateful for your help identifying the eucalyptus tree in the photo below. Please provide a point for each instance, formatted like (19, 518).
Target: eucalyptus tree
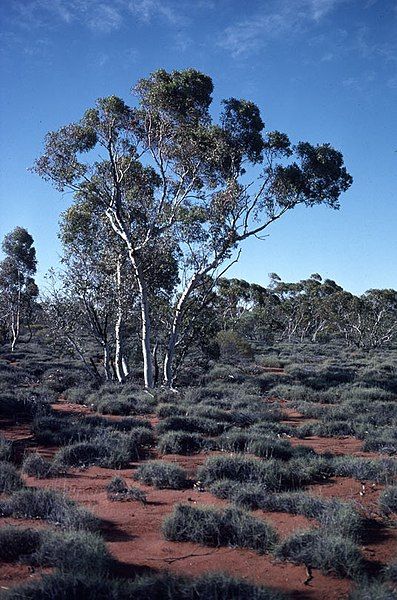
(234, 299)
(366, 321)
(17, 284)
(305, 306)
(96, 273)
(165, 173)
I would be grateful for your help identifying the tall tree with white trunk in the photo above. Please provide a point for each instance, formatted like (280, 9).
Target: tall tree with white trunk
(165, 173)
(18, 289)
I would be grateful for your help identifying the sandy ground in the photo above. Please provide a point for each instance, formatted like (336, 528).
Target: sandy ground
(133, 530)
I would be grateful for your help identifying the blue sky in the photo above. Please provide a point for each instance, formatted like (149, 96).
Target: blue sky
(320, 70)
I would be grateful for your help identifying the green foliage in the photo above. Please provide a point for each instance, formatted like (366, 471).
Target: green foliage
(364, 469)
(232, 346)
(391, 572)
(264, 446)
(117, 485)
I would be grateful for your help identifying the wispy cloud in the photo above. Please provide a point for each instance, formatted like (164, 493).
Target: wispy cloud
(99, 16)
(278, 19)
(149, 10)
(105, 18)
(360, 83)
(392, 83)
(102, 16)
(367, 47)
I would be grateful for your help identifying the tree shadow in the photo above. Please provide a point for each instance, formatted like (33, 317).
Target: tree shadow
(129, 570)
(113, 533)
(375, 532)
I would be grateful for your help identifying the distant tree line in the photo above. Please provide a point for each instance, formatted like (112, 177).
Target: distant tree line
(91, 308)
(313, 309)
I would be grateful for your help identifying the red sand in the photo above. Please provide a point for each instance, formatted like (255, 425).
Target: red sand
(133, 530)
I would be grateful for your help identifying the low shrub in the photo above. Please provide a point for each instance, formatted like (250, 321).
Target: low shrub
(67, 586)
(342, 518)
(162, 475)
(131, 493)
(58, 431)
(81, 454)
(383, 440)
(380, 471)
(211, 586)
(181, 442)
(5, 449)
(267, 447)
(78, 394)
(109, 448)
(16, 542)
(118, 489)
(373, 591)
(273, 475)
(326, 429)
(213, 527)
(52, 430)
(272, 429)
(73, 551)
(388, 500)
(37, 466)
(31, 503)
(117, 485)
(368, 394)
(331, 553)
(191, 424)
(217, 586)
(10, 479)
(391, 572)
(260, 445)
(250, 496)
(23, 403)
(121, 402)
(169, 410)
(334, 515)
(126, 425)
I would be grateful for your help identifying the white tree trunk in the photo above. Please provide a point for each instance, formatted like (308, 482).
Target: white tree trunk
(145, 323)
(143, 297)
(176, 323)
(106, 365)
(16, 320)
(119, 359)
